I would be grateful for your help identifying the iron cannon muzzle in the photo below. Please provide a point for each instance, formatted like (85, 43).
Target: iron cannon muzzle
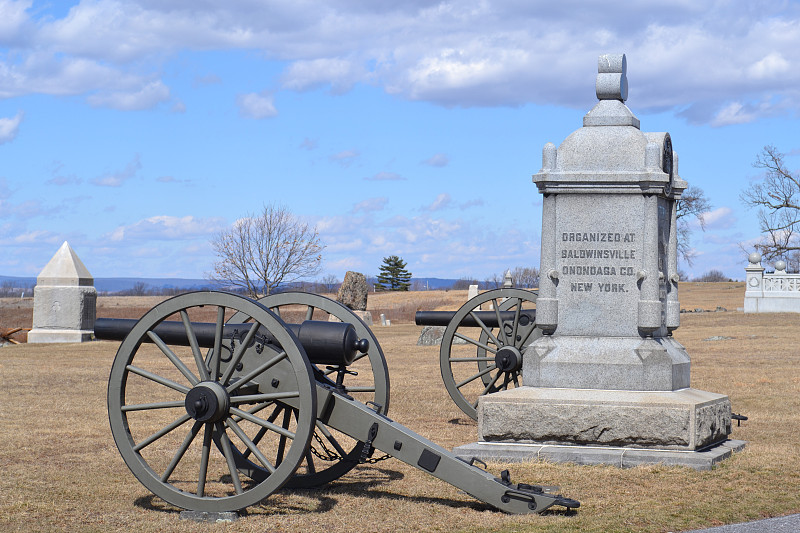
(325, 343)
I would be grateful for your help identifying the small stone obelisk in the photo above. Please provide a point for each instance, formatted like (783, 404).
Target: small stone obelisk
(64, 300)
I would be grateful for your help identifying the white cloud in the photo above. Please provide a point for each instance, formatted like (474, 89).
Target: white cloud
(37, 237)
(15, 25)
(689, 56)
(370, 205)
(256, 105)
(9, 127)
(442, 201)
(475, 203)
(166, 227)
(770, 66)
(146, 97)
(720, 218)
(345, 157)
(733, 113)
(39, 72)
(341, 74)
(60, 180)
(116, 179)
(437, 160)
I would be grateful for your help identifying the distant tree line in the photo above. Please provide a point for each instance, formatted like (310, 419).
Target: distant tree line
(11, 289)
(712, 276)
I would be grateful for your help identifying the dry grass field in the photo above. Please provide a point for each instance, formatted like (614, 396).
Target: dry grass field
(60, 470)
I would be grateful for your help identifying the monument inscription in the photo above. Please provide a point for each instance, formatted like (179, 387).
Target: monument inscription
(598, 247)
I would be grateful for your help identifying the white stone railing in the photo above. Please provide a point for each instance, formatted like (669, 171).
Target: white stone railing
(770, 293)
(782, 282)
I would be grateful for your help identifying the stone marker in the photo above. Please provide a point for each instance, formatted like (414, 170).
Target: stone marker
(432, 336)
(383, 319)
(64, 300)
(473, 292)
(607, 371)
(353, 294)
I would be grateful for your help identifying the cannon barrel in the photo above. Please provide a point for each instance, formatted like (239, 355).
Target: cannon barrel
(489, 318)
(325, 343)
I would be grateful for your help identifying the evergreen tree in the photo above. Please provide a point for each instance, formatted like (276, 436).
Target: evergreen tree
(393, 275)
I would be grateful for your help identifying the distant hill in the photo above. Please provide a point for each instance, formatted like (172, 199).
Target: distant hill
(113, 285)
(123, 284)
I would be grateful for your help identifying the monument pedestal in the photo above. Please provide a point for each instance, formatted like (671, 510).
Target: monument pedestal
(518, 452)
(606, 362)
(59, 335)
(686, 419)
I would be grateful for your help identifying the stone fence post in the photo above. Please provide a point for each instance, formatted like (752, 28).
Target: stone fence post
(754, 283)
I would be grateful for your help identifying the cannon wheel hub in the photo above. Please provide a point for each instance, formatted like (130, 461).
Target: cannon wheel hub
(508, 359)
(207, 402)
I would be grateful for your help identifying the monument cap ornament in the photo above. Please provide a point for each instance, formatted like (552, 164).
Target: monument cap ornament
(612, 79)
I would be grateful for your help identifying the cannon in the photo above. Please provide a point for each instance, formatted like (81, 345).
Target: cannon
(482, 351)
(216, 416)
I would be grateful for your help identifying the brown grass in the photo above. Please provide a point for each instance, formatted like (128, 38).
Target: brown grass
(60, 470)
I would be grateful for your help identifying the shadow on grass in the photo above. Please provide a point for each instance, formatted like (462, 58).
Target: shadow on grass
(360, 483)
(462, 422)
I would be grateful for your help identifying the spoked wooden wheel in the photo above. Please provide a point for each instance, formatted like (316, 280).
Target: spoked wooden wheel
(167, 402)
(331, 453)
(479, 357)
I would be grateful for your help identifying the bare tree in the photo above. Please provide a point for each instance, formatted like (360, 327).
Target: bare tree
(419, 285)
(777, 197)
(692, 203)
(525, 277)
(793, 261)
(495, 281)
(713, 276)
(329, 283)
(261, 252)
(463, 284)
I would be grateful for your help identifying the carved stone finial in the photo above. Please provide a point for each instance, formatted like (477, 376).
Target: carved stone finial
(508, 281)
(612, 79)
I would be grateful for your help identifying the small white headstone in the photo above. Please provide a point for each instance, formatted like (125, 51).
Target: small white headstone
(473, 292)
(64, 300)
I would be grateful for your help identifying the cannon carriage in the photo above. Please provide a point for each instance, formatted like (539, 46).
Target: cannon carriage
(217, 415)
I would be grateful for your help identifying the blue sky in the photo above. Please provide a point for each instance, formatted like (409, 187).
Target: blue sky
(137, 130)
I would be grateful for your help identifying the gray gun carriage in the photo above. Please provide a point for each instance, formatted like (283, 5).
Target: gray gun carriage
(215, 403)
(482, 351)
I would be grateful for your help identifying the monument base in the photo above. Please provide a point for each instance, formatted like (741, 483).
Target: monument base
(686, 419)
(507, 452)
(41, 335)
